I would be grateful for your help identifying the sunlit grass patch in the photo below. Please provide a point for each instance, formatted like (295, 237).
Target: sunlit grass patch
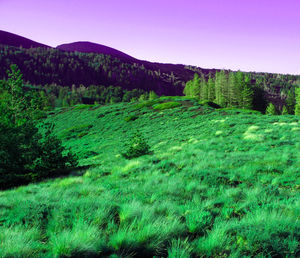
(166, 105)
(219, 132)
(20, 241)
(81, 239)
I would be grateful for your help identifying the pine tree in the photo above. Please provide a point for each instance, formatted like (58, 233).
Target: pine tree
(297, 107)
(211, 89)
(28, 148)
(284, 111)
(152, 95)
(240, 83)
(218, 93)
(187, 91)
(247, 94)
(233, 94)
(290, 102)
(203, 89)
(192, 88)
(271, 110)
(221, 86)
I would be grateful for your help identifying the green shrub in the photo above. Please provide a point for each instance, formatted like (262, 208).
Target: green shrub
(136, 147)
(131, 118)
(148, 103)
(166, 105)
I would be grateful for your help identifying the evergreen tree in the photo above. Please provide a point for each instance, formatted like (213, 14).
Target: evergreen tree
(271, 110)
(203, 89)
(247, 94)
(152, 95)
(240, 82)
(28, 148)
(192, 88)
(290, 102)
(297, 107)
(233, 90)
(211, 89)
(284, 111)
(221, 88)
(218, 93)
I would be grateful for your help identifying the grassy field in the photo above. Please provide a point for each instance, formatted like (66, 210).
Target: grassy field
(217, 183)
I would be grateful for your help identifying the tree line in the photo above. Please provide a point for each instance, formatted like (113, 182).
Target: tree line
(239, 90)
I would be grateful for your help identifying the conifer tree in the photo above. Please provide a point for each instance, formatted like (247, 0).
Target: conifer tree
(211, 89)
(28, 148)
(240, 82)
(224, 89)
(152, 95)
(192, 88)
(297, 107)
(218, 93)
(233, 90)
(290, 102)
(271, 110)
(203, 89)
(247, 94)
(284, 111)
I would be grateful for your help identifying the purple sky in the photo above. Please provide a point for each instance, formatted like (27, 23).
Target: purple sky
(250, 35)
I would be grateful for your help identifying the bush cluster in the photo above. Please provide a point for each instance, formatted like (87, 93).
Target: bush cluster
(136, 147)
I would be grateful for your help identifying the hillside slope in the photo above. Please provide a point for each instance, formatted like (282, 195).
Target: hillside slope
(214, 185)
(14, 40)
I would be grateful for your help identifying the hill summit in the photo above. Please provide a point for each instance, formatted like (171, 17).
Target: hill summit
(89, 47)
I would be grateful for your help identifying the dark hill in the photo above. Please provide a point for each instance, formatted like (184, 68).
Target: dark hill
(89, 47)
(10, 39)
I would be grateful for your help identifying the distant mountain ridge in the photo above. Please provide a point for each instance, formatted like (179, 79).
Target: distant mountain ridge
(90, 47)
(10, 39)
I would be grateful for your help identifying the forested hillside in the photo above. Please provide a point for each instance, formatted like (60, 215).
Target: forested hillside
(85, 72)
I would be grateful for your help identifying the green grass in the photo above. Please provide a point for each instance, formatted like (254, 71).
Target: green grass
(218, 183)
(166, 105)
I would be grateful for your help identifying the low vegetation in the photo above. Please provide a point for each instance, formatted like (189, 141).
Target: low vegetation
(214, 183)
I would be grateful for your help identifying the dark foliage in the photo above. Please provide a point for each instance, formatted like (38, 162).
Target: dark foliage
(29, 151)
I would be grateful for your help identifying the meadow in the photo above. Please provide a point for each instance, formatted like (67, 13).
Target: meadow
(216, 183)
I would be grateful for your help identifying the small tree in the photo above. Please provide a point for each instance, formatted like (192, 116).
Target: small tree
(152, 95)
(290, 102)
(297, 107)
(284, 111)
(271, 110)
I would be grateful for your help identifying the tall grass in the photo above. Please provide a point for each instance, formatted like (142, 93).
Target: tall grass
(217, 183)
